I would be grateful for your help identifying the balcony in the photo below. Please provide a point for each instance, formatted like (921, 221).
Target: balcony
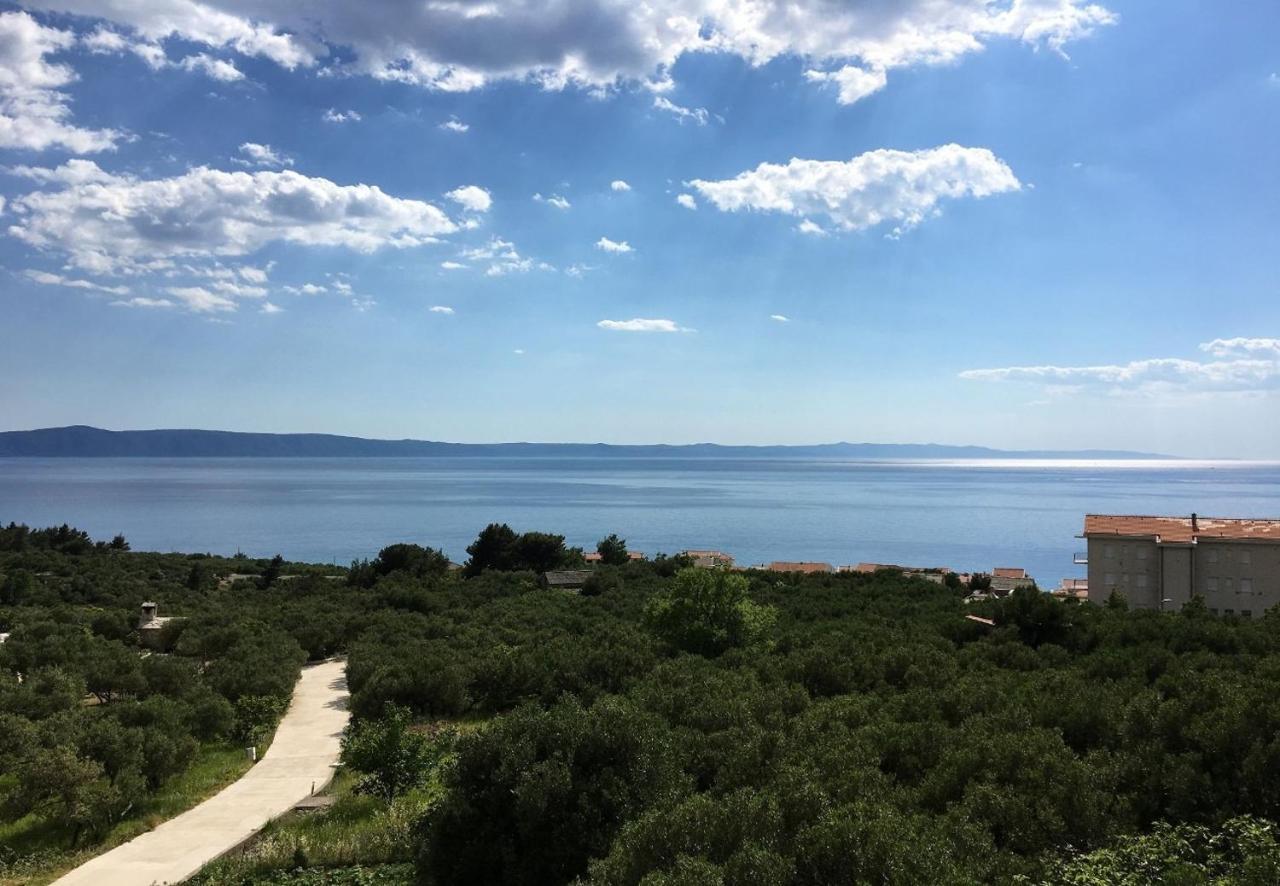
(1080, 558)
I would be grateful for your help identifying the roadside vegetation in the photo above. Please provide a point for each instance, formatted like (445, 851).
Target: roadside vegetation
(678, 726)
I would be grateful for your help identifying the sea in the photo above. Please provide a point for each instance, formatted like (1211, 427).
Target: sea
(966, 515)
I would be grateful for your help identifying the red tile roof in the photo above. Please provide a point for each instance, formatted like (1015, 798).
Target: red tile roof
(1009, 572)
(1178, 529)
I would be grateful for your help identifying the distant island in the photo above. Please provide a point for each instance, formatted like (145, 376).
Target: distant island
(81, 441)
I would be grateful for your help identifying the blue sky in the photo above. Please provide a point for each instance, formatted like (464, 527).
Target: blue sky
(1045, 224)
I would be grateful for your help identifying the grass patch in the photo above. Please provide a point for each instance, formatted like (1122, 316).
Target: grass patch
(34, 851)
(354, 833)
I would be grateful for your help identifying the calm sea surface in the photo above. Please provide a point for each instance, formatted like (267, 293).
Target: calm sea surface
(962, 514)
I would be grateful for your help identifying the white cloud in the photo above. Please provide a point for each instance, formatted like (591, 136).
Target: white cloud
(808, 226)
(852, 81)
(217, 68)
(642, 325)
(34, 114)
(261, 155)
(269, 308)
(306, 289)
(335, 116)
(459, 45)
(619, 185)
(471, 197)
(199, 300)
(108, 222)
(781, 318)
(1258, 369)
(683, 114)
(441, 309)
(578, 270)
(1227, 347)
(341, 286)
(503, 258)
(143, 302)
(44, 278)
(554, 200)
(687, 201)
(452, 265)
(453, 124)
(518, 351)
(607, 245)
(902, 187)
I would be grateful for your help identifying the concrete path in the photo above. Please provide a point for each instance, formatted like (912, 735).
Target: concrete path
(302, 754)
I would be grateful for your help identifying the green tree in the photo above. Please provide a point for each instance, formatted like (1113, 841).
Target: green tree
(613, 550)
(494, 548)
(414, 559)
(540, 551)
(391, 757)
(271, 572)
(707, 611)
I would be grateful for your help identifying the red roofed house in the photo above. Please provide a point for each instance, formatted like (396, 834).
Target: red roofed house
(1007, 579)
(1160, 562)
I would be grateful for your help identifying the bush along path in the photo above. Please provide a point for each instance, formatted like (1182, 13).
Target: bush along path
(300, 761)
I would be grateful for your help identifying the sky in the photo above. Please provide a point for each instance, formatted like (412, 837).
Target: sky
(1014, 223)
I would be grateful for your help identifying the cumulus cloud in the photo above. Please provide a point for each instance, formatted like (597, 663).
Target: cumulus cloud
(459, 46)
(554, 200)
(1242, 364)
(34, 112)
(453, 124)
(471, 197)
(606, 245)
(812, 228)
(641, 325)
(851, 81)
(306, 289)
(216, 68)
(441, 309)
(261, 155)
(683, 114)
(687, 201)
(1226, 347)
(619, 185)
(899, 187)
(106, 222)
(335, 116)
(269, 308)
(45, 278)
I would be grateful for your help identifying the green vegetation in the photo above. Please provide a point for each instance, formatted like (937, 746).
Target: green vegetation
(677, 726)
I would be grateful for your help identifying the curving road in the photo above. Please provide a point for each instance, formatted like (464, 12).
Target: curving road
(301, 756)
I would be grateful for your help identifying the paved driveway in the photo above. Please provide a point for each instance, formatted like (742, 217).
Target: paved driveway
(302, 754)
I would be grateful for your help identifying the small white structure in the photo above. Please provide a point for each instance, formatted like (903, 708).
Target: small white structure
(150, 624)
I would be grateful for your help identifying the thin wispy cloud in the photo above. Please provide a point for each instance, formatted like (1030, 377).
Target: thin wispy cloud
(642, 325)
(441, 309)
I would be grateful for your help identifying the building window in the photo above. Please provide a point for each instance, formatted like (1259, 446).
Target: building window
(1228, 612)
(1247, 613)
(1142, 581)
(1246, 586)
(1109, 579)
(1227, 585)
(1211, 585)
(1213, 556)
(1244, 558)
(1109, 551)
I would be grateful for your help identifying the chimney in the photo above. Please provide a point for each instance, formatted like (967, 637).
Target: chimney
(148, 612)
(1195, 527)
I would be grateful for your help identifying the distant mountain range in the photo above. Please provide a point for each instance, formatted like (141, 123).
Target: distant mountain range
(80, 441)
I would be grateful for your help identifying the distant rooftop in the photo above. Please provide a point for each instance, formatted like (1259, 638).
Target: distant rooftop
(798, 566)
(1181, 529)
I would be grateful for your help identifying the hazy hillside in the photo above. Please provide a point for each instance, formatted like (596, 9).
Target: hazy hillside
(80, 441)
